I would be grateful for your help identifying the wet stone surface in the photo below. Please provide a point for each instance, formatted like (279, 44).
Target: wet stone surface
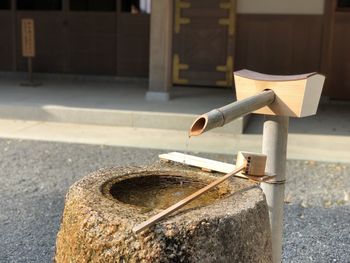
(161, 191)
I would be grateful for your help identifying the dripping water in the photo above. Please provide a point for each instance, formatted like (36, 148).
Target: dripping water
(186, 148)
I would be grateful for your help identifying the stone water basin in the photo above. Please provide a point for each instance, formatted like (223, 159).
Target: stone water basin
(228, 224)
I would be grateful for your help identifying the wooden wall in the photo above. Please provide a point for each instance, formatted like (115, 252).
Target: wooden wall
(279, 44)
(6, 40)
(336, 62)
(49, 41)
(338, 84)
(75, 40)
(305, 7)
(133, 45)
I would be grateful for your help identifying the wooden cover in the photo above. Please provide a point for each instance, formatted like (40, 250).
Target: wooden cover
(296, 95)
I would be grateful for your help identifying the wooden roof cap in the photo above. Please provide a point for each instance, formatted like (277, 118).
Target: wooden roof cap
(245, 73)
(296, 95)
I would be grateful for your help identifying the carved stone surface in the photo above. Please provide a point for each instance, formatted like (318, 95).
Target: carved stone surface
(98, 228)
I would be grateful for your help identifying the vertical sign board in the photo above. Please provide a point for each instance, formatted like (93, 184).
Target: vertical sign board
(28, 39)
(28, 48)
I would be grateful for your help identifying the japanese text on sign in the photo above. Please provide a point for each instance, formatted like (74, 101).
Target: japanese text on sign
(28, 39)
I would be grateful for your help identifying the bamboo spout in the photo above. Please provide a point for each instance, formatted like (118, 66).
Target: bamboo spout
(219, 117)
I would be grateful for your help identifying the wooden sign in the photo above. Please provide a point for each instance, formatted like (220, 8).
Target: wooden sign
(28, 38)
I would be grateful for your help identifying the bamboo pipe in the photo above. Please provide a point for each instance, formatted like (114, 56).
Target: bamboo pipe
(219, 117)
(151, 221)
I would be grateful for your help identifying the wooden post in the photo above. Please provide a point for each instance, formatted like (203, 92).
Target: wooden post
(160, 73)
(30, 70)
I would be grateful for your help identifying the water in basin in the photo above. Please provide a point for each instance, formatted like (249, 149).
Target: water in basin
(162, 191)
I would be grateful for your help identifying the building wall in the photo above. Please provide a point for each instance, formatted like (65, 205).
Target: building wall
(279, 36)
(88, 37)
(314, 7)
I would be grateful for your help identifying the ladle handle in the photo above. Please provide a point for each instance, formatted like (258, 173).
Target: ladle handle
(154, 219)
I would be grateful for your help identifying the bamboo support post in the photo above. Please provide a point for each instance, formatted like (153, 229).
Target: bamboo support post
(275, 137)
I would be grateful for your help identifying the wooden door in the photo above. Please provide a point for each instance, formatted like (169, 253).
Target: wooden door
(6, 36)
(203, 42)
(133, 38)
(336, 58)
(92, 37)
(50, 34)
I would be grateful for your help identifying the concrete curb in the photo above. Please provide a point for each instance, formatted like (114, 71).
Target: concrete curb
(120, 118)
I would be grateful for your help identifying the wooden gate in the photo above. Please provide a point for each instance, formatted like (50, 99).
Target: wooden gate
(203, 42)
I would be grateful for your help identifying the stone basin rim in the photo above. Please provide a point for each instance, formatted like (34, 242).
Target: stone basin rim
(155, 191)
(91, 198)
(163, 180)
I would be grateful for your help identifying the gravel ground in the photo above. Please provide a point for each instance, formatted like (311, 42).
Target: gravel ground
(36, 175)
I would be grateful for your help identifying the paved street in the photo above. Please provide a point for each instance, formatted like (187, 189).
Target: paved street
(36, 175)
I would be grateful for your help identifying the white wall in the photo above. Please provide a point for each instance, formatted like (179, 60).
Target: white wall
(280, 6)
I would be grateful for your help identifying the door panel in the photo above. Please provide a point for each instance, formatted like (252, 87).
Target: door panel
(203, 42)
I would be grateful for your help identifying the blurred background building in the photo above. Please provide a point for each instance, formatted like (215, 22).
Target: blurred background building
(182, 42)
